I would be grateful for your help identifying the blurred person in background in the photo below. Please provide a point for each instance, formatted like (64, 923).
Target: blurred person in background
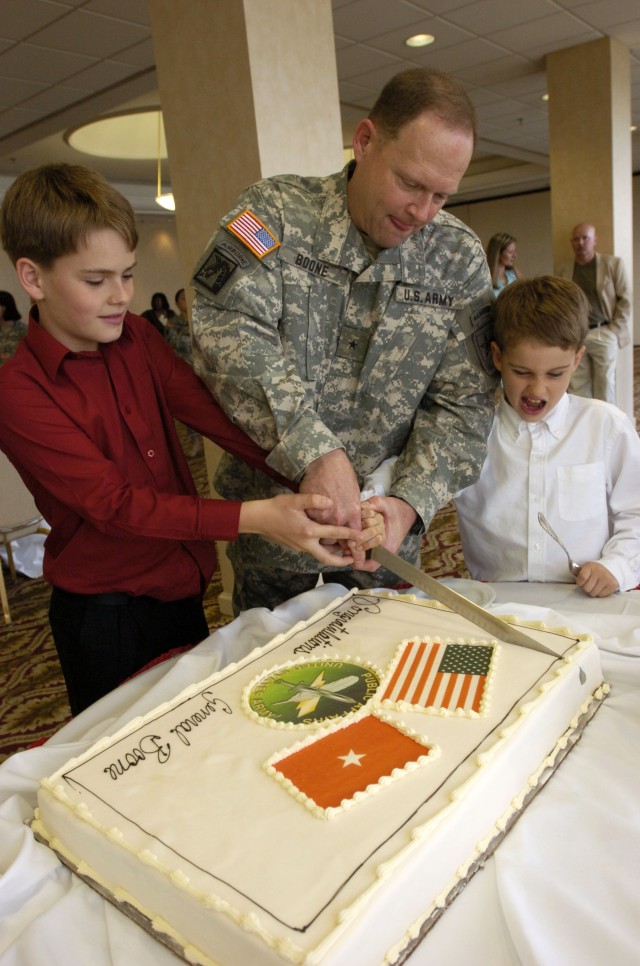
(178, 334)
(12, 328)
(501, 256)
(604, 281)
(160, 313)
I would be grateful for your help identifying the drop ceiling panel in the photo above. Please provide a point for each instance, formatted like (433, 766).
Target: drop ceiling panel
(19, 19)
(90, 33)
(63, 62)
(134, 11)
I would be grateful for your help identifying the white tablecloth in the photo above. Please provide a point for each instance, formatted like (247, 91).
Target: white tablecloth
(562, 889)
(27, 553)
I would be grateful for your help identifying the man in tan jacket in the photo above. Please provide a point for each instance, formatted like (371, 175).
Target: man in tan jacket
(604, 281)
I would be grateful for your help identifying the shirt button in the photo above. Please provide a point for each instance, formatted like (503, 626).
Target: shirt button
(151, 453)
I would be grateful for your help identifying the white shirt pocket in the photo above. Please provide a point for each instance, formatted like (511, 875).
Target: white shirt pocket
(582, 491)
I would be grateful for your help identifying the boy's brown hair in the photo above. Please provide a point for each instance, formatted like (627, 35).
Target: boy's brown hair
(49, 211)
(547, 309)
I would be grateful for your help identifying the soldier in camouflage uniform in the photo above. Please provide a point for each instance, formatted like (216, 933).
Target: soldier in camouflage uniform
(345, 319)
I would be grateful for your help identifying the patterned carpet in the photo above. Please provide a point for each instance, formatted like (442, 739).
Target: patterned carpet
(34, 702)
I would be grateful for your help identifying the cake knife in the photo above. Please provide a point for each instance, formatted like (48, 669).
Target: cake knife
(456, 602)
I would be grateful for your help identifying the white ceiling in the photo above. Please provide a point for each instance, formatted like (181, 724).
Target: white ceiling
(64, 62)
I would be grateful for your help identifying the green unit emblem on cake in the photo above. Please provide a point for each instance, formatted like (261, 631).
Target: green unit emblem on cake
(308, 692)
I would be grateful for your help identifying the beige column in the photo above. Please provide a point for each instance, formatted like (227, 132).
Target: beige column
(248, 89)
(591, 179)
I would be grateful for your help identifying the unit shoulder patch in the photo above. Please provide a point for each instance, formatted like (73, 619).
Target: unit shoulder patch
(215, 272)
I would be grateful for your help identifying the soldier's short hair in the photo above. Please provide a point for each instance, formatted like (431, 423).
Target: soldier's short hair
(49, 211)
(547, 309)
(418, 91)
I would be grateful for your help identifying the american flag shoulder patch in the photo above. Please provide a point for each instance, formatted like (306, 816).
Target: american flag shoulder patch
(440, 677)
(253, 233)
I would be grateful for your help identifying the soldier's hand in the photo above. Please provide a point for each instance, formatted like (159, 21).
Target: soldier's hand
(332, 475)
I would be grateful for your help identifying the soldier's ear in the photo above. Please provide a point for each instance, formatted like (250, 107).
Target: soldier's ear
(363, 137)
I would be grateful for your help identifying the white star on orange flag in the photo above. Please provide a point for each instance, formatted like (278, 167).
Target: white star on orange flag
(351, 759)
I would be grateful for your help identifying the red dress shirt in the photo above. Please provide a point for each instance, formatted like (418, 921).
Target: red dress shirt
(93, 436)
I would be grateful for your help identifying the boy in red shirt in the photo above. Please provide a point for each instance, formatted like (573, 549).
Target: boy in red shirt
(88, 407)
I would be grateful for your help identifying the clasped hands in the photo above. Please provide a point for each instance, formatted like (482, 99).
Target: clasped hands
(373, 522)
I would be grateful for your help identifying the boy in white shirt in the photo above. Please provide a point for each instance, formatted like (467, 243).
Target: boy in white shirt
(575, 459)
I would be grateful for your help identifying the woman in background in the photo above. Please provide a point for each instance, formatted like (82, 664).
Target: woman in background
(12, 328)
(501, 256)
(160, 314)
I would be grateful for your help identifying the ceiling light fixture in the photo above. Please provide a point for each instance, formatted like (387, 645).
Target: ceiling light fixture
(135, 135)
(419, 40)
(129, 135)
(164, 199)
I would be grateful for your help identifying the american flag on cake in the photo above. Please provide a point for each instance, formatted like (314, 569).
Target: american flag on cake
(434, 676)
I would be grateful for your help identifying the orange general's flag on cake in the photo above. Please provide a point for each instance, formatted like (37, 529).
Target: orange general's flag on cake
(446, 677)
(332, 768)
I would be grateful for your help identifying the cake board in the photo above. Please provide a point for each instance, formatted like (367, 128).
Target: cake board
(415, 924)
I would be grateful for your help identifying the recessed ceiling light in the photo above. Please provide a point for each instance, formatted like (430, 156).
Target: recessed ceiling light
(545, 97)
(420, 40)
(129, 134)
(633, 128)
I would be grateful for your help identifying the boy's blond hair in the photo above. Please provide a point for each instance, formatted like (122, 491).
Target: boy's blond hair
(49, 211)
(547, 309)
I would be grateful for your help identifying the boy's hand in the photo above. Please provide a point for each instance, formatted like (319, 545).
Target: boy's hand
(596, 580)
(285, 519)
(373, 534)
(398, 518)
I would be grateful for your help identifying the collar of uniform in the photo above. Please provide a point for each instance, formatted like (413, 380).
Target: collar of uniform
(338, 240)
(554, 422)
(413, 258)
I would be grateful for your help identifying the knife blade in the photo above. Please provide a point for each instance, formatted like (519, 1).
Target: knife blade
(456, 602)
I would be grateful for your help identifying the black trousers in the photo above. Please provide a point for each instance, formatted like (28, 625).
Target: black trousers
(102, 639)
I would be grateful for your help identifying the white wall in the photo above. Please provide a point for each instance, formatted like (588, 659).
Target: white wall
(526, 217)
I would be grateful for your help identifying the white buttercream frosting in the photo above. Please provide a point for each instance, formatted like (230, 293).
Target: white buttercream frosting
(176, 816)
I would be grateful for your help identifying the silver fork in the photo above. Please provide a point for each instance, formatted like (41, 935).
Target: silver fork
(574, 567)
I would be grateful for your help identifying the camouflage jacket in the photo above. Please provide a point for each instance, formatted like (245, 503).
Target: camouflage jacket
(310, 345)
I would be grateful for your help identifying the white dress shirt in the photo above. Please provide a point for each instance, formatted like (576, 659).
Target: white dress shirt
(581, 467)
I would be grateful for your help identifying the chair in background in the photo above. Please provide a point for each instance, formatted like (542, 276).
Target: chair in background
(19, 517)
